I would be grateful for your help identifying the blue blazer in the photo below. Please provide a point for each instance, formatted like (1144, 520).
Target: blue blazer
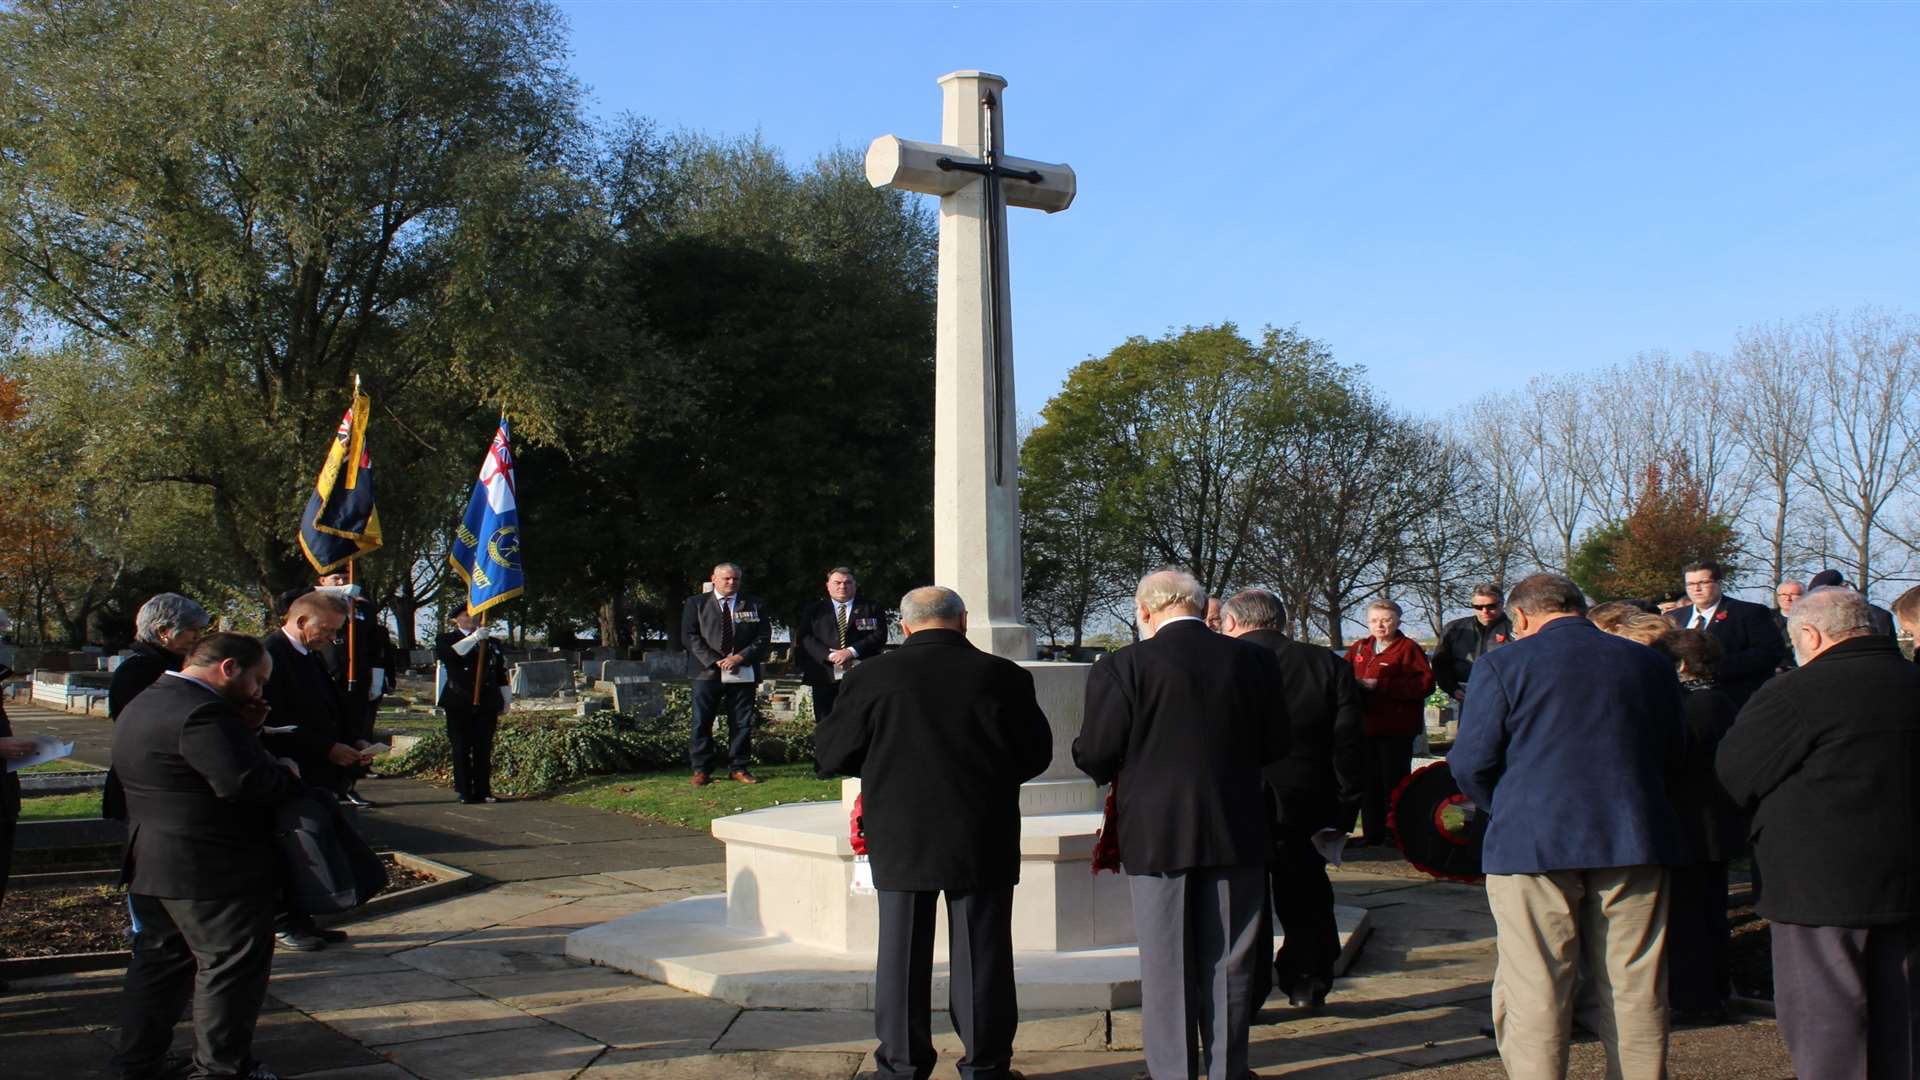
(1564, 739)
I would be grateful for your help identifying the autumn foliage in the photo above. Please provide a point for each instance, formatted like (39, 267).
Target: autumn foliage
(1645, 553)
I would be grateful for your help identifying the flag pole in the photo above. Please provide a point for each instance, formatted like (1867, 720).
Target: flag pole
(350, 667)
(479, 661)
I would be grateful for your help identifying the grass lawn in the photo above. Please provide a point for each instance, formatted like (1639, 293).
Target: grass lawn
(63, 765)
(667, 797)
(46, 807)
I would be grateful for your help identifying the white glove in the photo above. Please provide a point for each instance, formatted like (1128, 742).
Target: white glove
(466, 644)
(345, 592)
(377, 685)
(506, 698)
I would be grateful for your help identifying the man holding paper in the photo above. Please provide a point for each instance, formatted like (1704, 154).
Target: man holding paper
(726, 637)
(835, 634)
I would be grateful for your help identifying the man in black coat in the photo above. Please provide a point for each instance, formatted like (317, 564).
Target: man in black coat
(1750, 644)
(941, 736)
(1880, 617)
(1827, 759)
(199, 864)
(1182, 724)
(473, 716)
(361, 661)
(164, 630)
(301, 695)
(1317, 786)
(835, 634)
(726, 637)
(1468, 638)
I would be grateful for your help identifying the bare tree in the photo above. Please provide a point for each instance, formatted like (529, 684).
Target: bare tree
(1864, 445)
(1772, 414)
(1553, 416)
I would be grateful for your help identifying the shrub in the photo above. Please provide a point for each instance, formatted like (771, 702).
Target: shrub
(535, 756)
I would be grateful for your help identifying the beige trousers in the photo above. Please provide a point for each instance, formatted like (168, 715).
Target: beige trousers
(1609, 925)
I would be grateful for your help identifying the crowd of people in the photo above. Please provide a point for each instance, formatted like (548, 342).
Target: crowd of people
(1623, 756)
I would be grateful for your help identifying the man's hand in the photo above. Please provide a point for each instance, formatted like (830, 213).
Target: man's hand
(292, 766)
(841, 656)
(728, 663)
(253, 712)
(342, 754)
(15, 749)
(1459, 695)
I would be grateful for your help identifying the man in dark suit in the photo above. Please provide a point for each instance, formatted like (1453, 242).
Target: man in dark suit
(199, 864)
(361, 662)
(726, 637)
(1746, 633)
(301, 695)
(1823, 757)
(1181, 724)
(1563, 742)
(11, 748)
(942, 736)
(1317, 786)
(835, 634)
(164, 630)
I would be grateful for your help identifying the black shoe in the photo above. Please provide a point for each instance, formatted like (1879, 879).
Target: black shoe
(299, 940)
(354, 798)
(1486, 1031)
(331, 937)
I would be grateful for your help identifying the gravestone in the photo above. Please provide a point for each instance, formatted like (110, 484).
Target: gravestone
(541, 678)
(638, 698)
(665, 664)
(615, 671)
(419, 659)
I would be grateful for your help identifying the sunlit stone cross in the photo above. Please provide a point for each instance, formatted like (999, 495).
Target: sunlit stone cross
(976, 492)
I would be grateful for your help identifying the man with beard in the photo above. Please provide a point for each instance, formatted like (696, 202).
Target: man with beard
(199, 865)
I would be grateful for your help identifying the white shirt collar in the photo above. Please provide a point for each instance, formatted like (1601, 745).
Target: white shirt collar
(191, 679)
(1695, 614)
(1164, 623)
(298, 645)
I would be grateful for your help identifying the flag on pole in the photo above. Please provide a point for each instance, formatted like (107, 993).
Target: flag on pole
(340, 523)
(486, 547)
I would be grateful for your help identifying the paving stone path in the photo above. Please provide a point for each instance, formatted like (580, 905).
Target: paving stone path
(477, 987)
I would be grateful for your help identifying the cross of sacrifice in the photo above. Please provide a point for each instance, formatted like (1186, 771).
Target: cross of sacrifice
(976, 549)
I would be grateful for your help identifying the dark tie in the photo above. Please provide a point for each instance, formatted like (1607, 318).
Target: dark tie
(726, 626)
(840, 617)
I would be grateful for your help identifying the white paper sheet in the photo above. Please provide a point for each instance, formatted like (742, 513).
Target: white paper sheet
(46, 748)
(862, 877)
(1331, 844)
(269, 729)
(743, 673)
(376, 749)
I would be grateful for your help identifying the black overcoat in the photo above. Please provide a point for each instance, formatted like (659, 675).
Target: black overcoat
(1320, 781)
(302, 693)
(1749, 642)
(1714, 828)
(199, 793)
(1184, 722)
(941, 736)
(1827, 758)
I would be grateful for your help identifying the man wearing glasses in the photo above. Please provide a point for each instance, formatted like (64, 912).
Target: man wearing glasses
(1468, 638)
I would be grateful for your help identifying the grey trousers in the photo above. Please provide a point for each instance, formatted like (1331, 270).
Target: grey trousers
(1203, 942)
(980, 994)
(1849, 999)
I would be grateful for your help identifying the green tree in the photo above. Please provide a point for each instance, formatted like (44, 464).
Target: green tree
(1644, 554)
(213, 215)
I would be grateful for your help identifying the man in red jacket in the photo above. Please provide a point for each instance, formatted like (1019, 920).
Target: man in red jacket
(1395, 680)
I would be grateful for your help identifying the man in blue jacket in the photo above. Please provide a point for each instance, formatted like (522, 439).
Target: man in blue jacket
(1564, 742)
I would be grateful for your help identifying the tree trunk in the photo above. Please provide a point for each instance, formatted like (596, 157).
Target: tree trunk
(406, 608)
(611, 617)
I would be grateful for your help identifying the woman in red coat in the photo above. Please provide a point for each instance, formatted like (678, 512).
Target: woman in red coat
(1395, 679)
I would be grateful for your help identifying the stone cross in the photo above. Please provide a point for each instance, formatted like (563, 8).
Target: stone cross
(976, 490)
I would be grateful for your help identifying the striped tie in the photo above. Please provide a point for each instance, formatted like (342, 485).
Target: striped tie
(840, 617)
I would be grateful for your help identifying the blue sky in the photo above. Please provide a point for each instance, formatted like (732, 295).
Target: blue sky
(1456, 196)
